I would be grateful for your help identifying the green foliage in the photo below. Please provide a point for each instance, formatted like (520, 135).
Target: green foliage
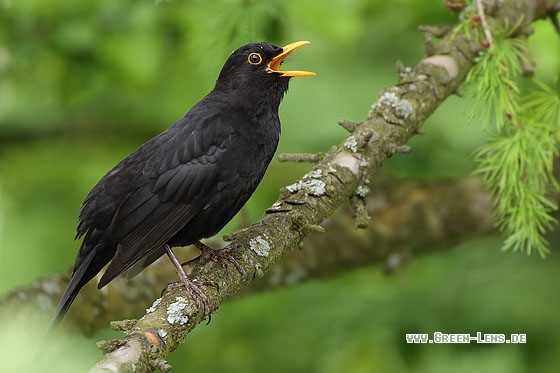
(518, 171)
(493, 81)
(467, 26)
(517, 162)
(544, 102)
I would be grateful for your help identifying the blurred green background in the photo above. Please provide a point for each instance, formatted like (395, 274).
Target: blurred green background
(84, 83)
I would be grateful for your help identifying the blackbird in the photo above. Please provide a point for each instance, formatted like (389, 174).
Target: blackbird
(189, 181)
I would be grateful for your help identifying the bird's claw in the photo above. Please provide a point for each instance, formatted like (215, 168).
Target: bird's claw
(196, 292)
(220, 257)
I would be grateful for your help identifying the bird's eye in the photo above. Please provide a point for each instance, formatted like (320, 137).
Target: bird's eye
(254, 59)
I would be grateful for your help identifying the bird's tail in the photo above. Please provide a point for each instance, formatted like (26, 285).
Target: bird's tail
(80, 276)
(88, 264)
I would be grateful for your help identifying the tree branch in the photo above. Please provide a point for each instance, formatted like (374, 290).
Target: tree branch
(340, 176)
(410, 218)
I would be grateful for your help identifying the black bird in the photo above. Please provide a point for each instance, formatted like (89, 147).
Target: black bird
(189, 181)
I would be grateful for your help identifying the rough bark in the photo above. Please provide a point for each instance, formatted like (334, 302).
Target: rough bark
(341, 175)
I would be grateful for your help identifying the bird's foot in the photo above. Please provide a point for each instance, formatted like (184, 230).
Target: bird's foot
(221, 257)
(196, 292)
(192, 286)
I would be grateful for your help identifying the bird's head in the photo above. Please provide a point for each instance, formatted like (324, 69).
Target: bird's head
(256, 67)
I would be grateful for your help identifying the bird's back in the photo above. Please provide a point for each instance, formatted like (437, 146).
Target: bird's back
(181, 186)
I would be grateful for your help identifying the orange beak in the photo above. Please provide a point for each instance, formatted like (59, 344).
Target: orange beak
(274, 65)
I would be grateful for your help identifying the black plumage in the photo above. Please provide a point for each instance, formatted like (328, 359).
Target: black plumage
(189, 181)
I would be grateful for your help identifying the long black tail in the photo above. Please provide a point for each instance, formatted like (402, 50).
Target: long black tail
(89, 262)
(85, 268)
(80, 276)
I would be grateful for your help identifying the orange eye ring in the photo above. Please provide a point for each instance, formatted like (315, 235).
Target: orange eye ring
(254, 59)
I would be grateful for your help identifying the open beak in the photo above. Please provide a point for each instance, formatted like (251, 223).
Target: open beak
(274, 65)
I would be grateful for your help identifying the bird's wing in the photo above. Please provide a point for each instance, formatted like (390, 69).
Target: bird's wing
(175, 184)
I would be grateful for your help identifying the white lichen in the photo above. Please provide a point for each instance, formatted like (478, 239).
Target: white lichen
(175, 314)
(277, 207)
(364, 163)
(362, 191)
(293, 188)
(315, 187)
(259, 246)
(312, 187)
(351, 143)
(162, 334)
(402, 108)
(154, 305)
(315, 174)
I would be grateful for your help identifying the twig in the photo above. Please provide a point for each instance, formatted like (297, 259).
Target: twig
(301, 157)
(480, 9)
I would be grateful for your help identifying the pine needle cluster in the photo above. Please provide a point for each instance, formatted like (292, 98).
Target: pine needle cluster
(524, 126)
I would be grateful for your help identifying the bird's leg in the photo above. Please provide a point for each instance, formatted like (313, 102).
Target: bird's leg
(190, 285)
(218, 256)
